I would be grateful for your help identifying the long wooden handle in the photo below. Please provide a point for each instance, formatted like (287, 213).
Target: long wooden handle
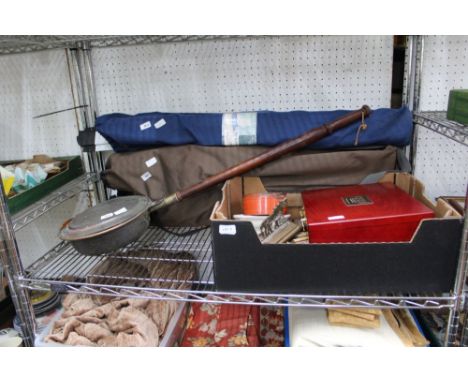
(276, 152)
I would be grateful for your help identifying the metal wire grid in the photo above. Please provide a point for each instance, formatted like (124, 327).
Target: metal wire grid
(55, 198)
(64, 270)
(136, 40)
(438, 122)
(29, 43)
(156, 247)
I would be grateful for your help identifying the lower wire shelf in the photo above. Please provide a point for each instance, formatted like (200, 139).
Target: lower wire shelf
(150, 268)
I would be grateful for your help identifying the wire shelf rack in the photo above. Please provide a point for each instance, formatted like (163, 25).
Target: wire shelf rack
(148, 267)
(55, 198)
(438, 122)
(30, 43)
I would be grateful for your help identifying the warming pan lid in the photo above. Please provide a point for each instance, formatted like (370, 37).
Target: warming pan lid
(105, 216)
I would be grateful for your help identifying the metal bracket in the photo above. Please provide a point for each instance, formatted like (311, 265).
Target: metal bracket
(403, 163)
(86, 139)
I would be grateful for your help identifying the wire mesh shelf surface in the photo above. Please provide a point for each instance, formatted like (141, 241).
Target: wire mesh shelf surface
(55, 198)
(31, 43)
(169, 266)
(438, 122)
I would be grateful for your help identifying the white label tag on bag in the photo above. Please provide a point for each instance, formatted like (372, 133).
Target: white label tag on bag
(160, 123)
(145, 125)
(227, 229)
(107, 216)
(121, 211)
(151, 162)
(146, 176)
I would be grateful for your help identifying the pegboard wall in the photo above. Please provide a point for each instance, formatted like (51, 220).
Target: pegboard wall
(40, 236)
(32, 84)
(441, 164)
(256, 73)
(445, 67)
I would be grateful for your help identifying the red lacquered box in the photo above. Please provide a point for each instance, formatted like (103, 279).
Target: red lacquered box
(371, 213)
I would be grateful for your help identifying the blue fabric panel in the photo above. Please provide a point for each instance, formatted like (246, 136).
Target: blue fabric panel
(128, 133)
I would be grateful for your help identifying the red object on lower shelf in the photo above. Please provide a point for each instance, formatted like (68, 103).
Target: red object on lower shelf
(371, 213)
(213, 325)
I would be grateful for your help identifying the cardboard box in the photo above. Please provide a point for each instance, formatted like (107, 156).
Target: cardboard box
(426, 264)
(74, 168)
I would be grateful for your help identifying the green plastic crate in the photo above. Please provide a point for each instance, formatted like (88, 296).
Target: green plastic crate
(20, 201)
(458, 106)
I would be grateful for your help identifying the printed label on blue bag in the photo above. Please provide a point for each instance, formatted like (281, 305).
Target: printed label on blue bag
(239, 129)
(160, 123)
(145, 125)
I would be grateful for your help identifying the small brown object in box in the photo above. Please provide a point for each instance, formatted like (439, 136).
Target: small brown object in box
(342, 318)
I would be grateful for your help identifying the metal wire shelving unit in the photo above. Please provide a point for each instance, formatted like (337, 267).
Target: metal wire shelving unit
(55, 198)
(22, 44)
(9, 253)
(437, 122)
(63, 269)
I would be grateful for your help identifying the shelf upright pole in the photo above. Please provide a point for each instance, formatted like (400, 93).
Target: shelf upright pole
(90, 86)
(76, 83)
(11, 262)
(410, 72)
(414, 66)
(83, 79)
(463, 304)
(459, 290)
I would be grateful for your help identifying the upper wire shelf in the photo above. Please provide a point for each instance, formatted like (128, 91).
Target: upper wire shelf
(31, 43)
(167, 266)
(67, 191)
(438, 122)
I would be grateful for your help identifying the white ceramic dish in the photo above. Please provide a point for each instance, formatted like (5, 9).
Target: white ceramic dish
(10, 342)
